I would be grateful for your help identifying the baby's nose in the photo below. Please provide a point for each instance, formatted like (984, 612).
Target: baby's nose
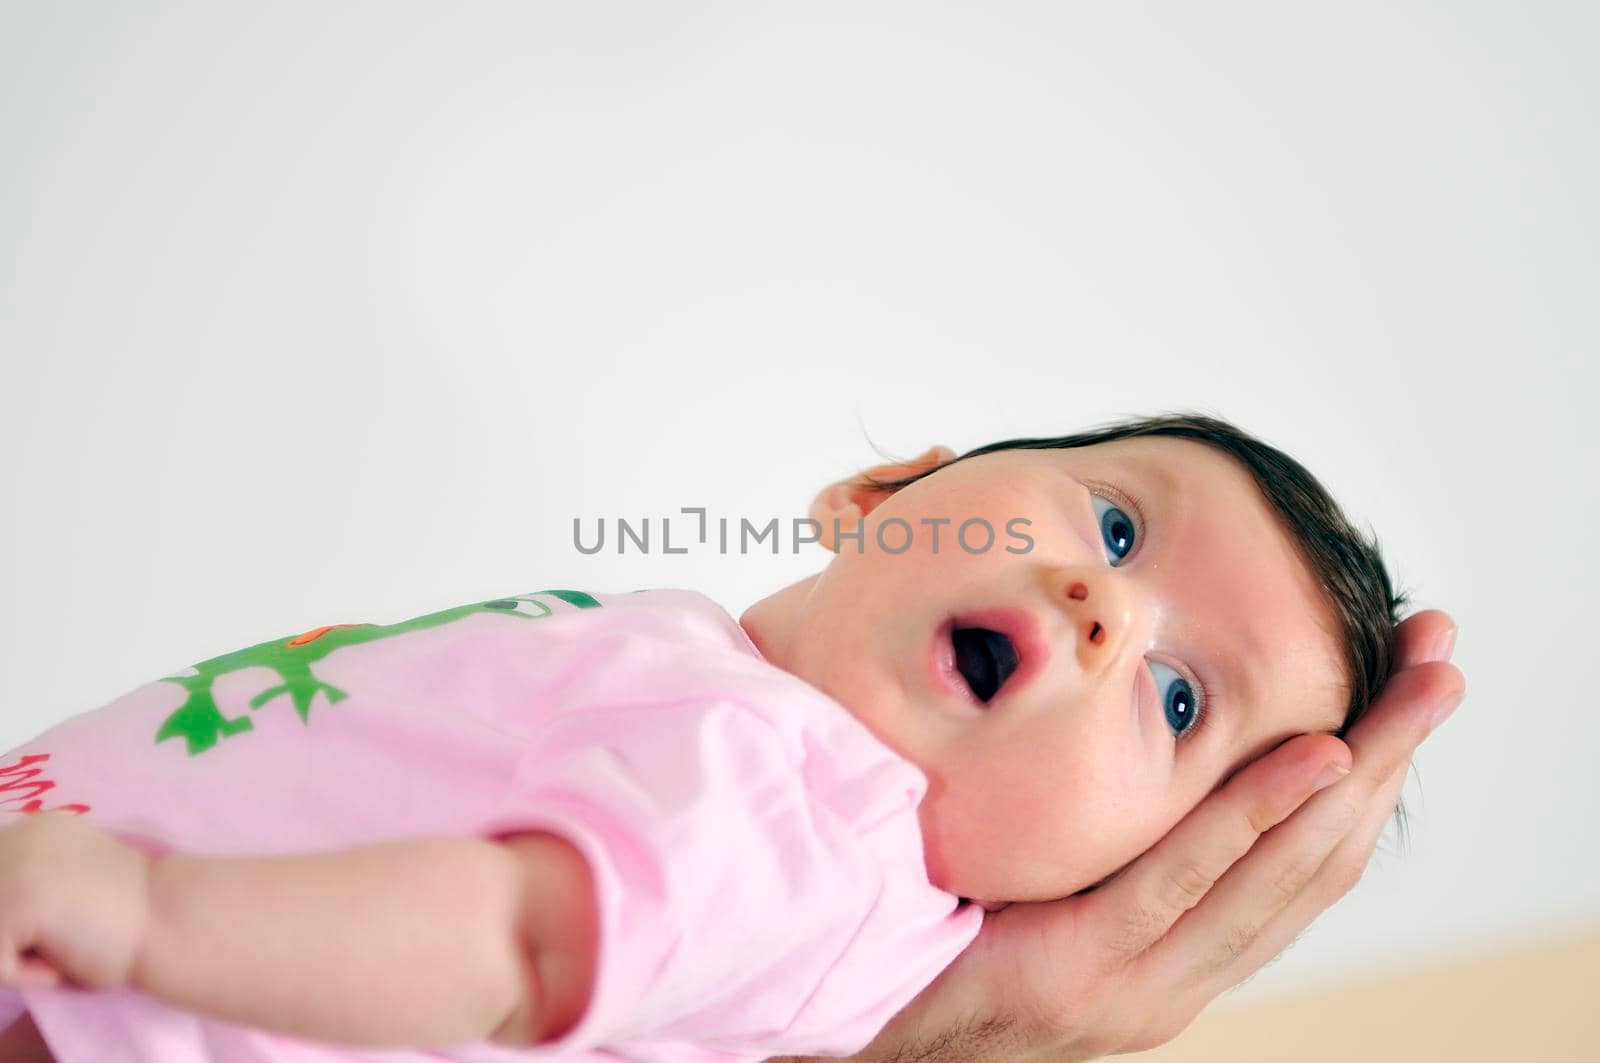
(1100, 613)
(1079, 592)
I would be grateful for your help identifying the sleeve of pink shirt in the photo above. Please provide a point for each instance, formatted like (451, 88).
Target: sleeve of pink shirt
(756, 851)
(741, 909)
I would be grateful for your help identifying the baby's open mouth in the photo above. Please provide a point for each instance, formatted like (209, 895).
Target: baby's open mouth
(985, 659)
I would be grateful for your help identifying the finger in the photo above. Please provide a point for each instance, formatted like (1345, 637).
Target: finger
(1333, 879)
(1426, 636)
(1402, 716)
(1137, 907)
(1217, 943)
(1337, 875)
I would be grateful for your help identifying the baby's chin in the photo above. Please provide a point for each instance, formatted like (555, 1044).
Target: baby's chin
(992, 895)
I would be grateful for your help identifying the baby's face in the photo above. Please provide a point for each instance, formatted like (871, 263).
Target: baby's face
(1161, 649)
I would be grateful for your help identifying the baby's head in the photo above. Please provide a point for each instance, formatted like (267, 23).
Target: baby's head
(1162, 601)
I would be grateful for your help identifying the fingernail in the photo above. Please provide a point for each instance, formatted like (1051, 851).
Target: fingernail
(1331, 774)
(1443, 646)
(1442, 713)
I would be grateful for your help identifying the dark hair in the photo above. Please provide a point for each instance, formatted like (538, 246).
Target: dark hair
(1346, 565)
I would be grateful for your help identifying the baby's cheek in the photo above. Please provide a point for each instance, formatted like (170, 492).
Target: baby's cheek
(999, 847)
(962, 854)
(1067, 833)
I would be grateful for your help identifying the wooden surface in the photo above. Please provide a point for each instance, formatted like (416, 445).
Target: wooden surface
(1534, 1003)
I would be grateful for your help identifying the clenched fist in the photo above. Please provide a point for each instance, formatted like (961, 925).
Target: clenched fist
(73, 903)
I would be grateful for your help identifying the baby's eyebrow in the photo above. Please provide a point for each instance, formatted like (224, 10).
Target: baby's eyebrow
(1163, 477)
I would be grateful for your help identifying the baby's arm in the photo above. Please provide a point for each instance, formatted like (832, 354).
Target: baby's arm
(417, 943)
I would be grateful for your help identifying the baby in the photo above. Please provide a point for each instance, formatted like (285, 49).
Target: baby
(622, 826)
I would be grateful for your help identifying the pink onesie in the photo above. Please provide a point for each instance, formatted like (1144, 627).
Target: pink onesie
(756, 851)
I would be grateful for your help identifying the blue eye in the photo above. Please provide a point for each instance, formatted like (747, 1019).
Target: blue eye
(1116, 528)
(1178, 700)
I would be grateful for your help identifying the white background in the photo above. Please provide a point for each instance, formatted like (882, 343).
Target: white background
(319, 313)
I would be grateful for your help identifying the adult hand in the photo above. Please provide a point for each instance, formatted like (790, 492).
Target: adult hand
(1128, 965)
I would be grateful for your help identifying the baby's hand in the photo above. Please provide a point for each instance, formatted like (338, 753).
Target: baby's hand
(73, 904)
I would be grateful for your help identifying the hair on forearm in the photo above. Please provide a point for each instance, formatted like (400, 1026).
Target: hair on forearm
(993, 1040)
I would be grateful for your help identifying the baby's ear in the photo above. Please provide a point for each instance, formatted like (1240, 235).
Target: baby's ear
(848, 501)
